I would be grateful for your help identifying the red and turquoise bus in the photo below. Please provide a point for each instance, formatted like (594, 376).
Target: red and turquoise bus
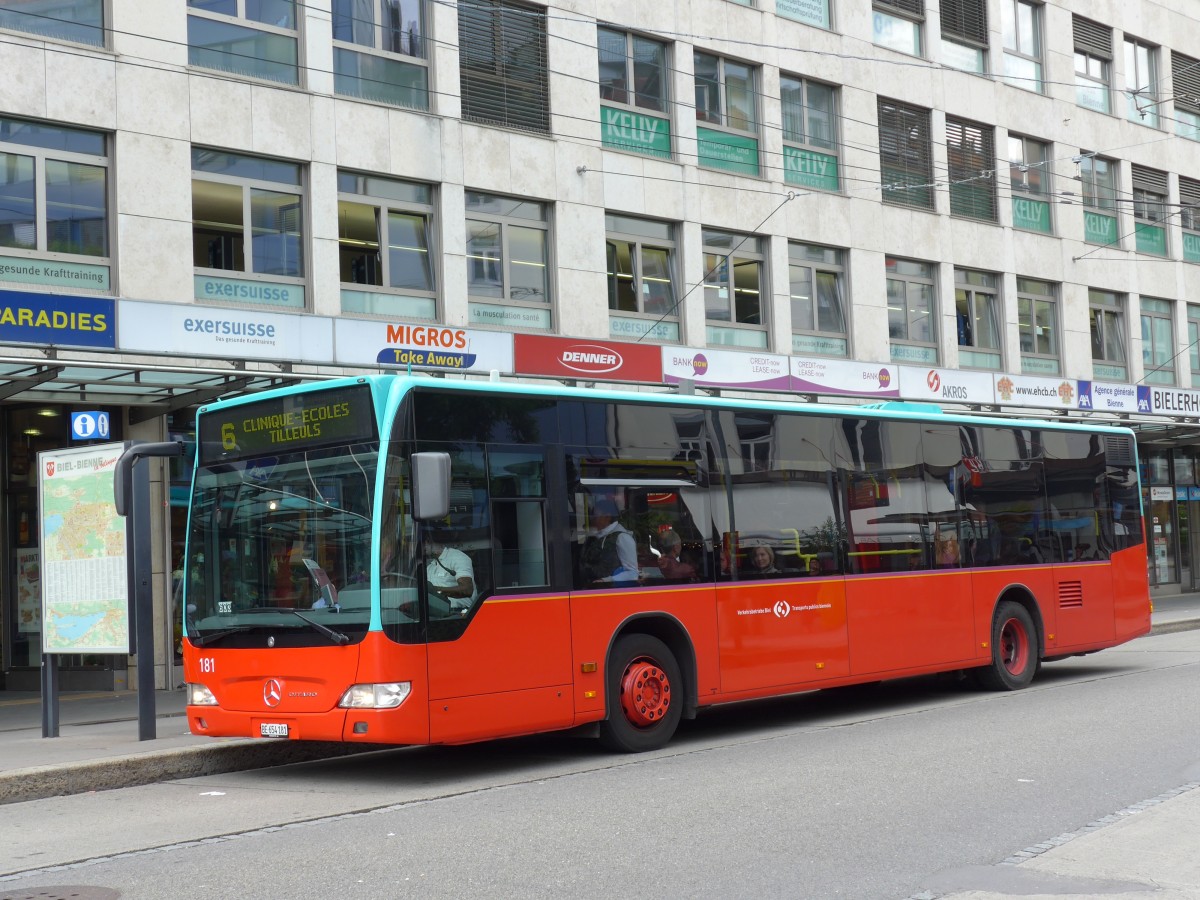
(402, 560)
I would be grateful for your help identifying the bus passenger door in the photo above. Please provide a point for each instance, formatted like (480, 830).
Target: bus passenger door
(781, 605)
(500, 665)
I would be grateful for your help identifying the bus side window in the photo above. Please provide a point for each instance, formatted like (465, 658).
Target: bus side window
(517, 484)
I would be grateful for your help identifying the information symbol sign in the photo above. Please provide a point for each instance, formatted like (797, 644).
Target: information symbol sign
(90, 426)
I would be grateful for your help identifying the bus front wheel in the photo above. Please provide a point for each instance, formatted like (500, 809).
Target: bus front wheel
(644, 699)
(1014, 649)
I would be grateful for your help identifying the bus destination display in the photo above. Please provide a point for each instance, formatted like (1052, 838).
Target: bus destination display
(295, 421)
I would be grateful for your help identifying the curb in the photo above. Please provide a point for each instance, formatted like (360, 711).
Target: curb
(42, 782)
(1172, 627)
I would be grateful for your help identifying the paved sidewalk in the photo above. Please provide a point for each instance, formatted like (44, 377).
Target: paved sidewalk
(98, 748)
(1145, 852)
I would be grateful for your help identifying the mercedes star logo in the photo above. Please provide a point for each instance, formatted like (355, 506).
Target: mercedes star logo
(272, 692)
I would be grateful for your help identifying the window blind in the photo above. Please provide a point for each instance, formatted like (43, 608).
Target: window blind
(1150, 180)
(502, 52)
(914, 8)
(1092, 37)
(906, 163)
(965, 19)
(1185, 79)
(970, 151)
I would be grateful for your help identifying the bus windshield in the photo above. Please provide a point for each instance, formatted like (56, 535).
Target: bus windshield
(273, 535)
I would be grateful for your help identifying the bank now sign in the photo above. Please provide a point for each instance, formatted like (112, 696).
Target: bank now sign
(585, 359)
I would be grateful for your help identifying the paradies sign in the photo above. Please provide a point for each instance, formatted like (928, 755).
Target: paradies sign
(297, 421)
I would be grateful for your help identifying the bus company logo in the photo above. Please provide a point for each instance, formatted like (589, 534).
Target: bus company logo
(934, 380)
(1005, 387)
(699, 364)
(272, 692)
(782, 609)
(49, 468)
(590, 359)
(1066, 393)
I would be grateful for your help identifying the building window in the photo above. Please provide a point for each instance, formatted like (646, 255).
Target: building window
(1189, 218)
(255, 38)
(641, 278)
(977, 315)
(1098, 177)
(896, 24)
(1021, 22)
(1193, 333)
(247, 217)
(810, 145)
(971, 154)
(1158, 342)
(1150, 210)
(733, 289)
(633, 84)
(1093, 64)
(384, 247)
(1141, 83)
(380, 51)
(1185, 81)
(81, 21)
(53, 205)
(727, 104)
(811, 12)
(503, 64)
(1032, 186)
(905, 152)
(817, 277)
(1106, 312)
(965, 34)
(508, 261)
(1037, 327)
(910, 299)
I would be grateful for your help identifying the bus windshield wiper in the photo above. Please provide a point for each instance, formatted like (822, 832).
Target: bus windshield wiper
(336, 636)
(202, 639)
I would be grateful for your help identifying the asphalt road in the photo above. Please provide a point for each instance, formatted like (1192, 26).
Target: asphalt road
(881, 792)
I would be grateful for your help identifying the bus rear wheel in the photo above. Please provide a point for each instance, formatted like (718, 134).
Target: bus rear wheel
(643, 706)
(1014, 649)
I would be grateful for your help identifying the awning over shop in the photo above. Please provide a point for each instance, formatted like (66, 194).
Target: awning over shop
(151, 389)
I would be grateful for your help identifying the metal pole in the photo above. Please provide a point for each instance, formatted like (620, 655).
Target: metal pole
(131, 493)
(140, 585)
(49, 695)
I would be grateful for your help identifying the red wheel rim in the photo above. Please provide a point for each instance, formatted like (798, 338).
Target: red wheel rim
(645, 692)
(1014, 646)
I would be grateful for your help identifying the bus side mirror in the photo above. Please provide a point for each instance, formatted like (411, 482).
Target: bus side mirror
(430, 486)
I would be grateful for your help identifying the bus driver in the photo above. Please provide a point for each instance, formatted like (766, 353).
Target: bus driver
(450, 573)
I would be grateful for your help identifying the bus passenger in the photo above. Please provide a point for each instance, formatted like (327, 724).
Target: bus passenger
(610, 554)
(947, 550)
(449, 573)
(762, 562)
(671, 566)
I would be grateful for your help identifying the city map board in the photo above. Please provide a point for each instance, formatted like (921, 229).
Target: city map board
(85, 589)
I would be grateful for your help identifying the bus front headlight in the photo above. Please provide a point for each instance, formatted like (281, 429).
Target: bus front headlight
(376, 696)
(199, 695)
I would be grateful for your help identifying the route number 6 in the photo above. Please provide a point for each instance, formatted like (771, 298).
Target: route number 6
(228, 440)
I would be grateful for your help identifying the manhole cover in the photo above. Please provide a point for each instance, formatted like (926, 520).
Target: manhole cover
(64, 892)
